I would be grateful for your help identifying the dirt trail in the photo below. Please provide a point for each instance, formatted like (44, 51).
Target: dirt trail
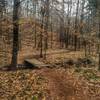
(61, 87)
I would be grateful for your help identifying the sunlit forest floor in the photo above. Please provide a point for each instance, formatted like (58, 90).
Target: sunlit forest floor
(52, 55)
(65, 79)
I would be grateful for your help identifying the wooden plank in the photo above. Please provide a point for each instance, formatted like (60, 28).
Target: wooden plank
(36, 63)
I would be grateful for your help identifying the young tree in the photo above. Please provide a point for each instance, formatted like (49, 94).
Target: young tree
(69, 11)
(76, 25)
(47, 3)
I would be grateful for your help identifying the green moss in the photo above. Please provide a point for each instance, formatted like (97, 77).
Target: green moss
(35, 98)
(90, 75)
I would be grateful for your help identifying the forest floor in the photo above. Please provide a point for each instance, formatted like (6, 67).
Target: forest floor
(50, 84)
(62, 82)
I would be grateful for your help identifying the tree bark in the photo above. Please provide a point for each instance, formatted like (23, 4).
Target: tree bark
(15, 34)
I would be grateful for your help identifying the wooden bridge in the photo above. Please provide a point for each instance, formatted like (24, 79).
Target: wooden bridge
(34, 63)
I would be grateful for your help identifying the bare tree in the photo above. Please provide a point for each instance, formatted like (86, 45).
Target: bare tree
(15, 34)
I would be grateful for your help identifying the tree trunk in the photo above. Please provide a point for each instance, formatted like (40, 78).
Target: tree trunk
(15, 34)
(76, 26)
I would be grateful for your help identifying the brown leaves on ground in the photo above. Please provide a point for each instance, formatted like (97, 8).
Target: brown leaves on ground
(19, 85)
(47, 84)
